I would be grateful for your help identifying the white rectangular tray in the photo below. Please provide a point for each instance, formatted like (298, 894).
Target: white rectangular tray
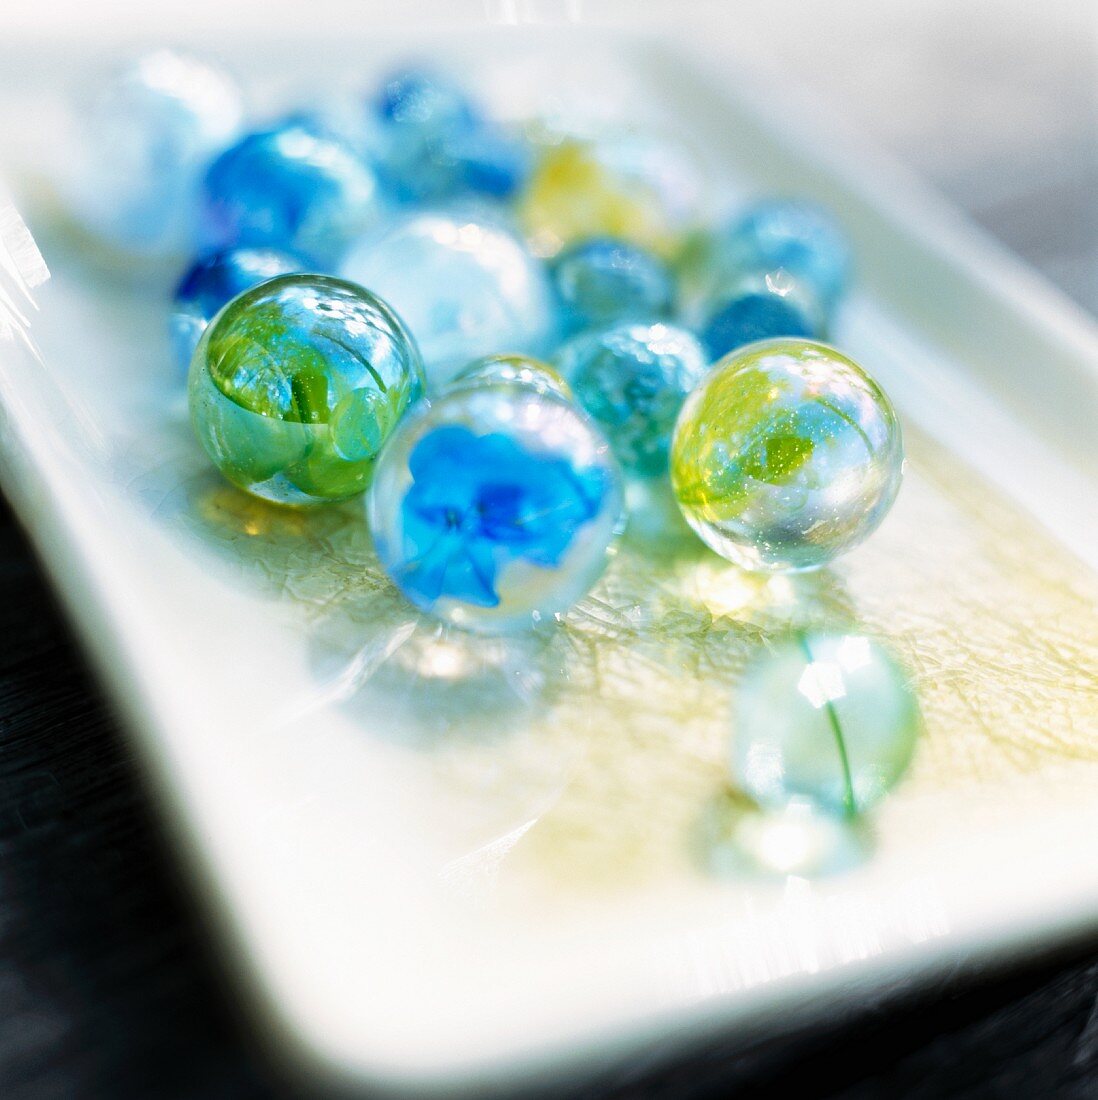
(519, 892)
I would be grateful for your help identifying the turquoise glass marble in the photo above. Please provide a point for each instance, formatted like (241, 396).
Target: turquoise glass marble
(465, 287)
(791, 235)
(493, 508)
(604, 280)
(297, 383)
(518, 370)
(786, 455)
(633, 379)
(829, 719)
(433, 144)
(144, 136)
(211, 281)
(760, 306)
(293, 187)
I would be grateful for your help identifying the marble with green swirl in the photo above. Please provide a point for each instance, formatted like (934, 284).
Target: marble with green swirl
(297, 383)
(786, 455)
(824, 718)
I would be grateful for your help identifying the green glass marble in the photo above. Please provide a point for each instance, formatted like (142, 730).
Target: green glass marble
(829, 719)
(786, 455)
(297, 383)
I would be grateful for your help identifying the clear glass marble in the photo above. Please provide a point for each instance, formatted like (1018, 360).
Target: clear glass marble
(633, 379)
(760, 306)
(519, 370)
(786, 455)
(143, 137)
(825, 718)
(603, 280)
(292, 187)
(798, 237)
(493, 508)
(465, 287)
(296, 385)
(212, 281)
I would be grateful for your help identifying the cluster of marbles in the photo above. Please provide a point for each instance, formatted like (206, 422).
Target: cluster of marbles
(492, 333)
(780, 268)
(466, 287)
(212, 281)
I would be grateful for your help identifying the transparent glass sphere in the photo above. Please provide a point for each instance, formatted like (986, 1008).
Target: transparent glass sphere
(493, 508)
(786, 455)
(292, 187)
(520, 370)
(211, 281)
(759, 305)
(789, 234)
(601, 281)
(465, 288)
(297, 383)
(143, 137)
(633, 379)
(830, 719)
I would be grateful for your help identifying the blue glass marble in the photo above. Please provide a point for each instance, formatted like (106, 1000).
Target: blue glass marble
(433, 144)
(427, 102)
(212, 282)
(143, 139)
(291, 187)
(603, 280)
(466, 288)
(494, 507)
(799, 237)
(633, 379)
(829, 719)
(760, 306)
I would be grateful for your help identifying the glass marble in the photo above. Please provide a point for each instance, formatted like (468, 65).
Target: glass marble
(212, 281)
(827, 719)
(633, 379)
(621, 185)
(786, 455)
(603, 280)
(799, 237)
(434, 144)
(296, 385)
(292, 187)
(143, 139)
(466, 288)
(519, 370)
(493, 508)
(760, 306)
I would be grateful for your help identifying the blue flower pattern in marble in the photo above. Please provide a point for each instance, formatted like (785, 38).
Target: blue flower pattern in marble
(478, 503)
